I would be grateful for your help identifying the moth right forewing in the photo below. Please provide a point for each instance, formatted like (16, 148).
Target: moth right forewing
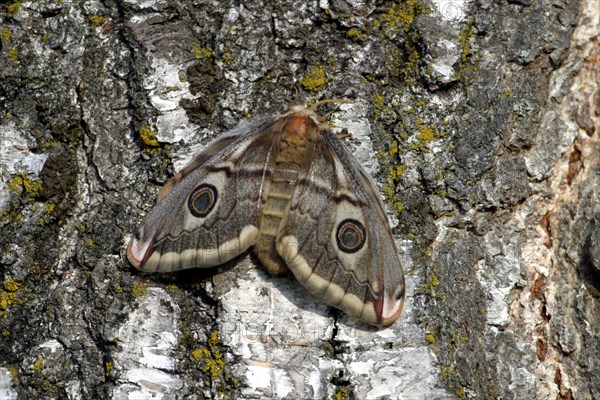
(384, 272)
(336, 241)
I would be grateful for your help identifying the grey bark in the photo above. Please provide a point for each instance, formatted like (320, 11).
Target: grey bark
(485, 119)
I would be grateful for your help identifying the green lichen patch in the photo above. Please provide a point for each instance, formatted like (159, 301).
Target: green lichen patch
(13, 55)
(227, 58)
(468, 56)
(355, 34)
(38, 365)
(315, 79)
(430, 337)
(342, 393)
(108, 368)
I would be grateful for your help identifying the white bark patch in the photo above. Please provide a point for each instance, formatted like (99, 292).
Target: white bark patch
(165, 92)
(147, 341)
(353, 117)
(7, 391)
(451, 10)
(407, 373)
(499, 278)
(16, 158)
(282, 335)
(53, 345)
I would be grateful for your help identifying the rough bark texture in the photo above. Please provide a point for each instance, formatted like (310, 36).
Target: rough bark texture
(484, 116)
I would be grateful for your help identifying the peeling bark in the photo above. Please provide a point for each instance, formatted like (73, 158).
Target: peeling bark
(484, 117)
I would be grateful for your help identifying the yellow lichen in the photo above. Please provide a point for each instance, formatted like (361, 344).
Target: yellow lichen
(139, 289)
(433, 282)
(148, 136)
(49, 207)
(199, 353)
(108, 367)
(38, 365)
(410, 67)
(434, 279)
(465, 39)
(356, 34)
(13, 54)
(5, 34)
(22, 183)
(378, 103)
(446, 372)
(97, 20)
(13, 9)
(315, 79)
(402, 15)
(11, 286)
(201, 52)
(393, 148)
(426, 134)
(342, 393)
(212, 361)
(430, 338)
(395, 173)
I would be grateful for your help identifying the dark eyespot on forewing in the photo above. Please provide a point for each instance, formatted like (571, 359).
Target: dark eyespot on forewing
(202, 200)
(351, 236)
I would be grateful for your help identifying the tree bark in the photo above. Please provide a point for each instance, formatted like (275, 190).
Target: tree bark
(479, 120)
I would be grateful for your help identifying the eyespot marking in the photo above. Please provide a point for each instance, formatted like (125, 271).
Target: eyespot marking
(202, 200)
(351, 236)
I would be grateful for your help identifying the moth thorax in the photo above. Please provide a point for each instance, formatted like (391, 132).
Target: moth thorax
(296, 139)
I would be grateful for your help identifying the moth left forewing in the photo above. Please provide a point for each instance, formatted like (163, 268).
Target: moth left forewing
(337, 241)
(242, 135)
(208, 213)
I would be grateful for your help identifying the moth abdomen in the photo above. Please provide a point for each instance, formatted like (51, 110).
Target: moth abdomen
(274, 214)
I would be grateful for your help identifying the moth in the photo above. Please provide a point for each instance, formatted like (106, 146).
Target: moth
(288, 188)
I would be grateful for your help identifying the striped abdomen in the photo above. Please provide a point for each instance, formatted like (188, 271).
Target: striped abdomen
(274, 215)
